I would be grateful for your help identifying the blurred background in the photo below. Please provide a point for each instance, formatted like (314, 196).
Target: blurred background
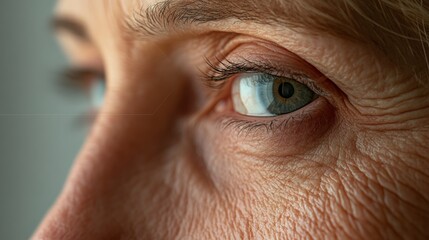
(40, 132)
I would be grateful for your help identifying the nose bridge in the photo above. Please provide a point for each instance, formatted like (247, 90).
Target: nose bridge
(133, 128)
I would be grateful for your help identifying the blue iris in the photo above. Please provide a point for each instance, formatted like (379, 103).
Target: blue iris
(266, 95)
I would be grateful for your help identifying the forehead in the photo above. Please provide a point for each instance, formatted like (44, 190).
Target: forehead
(103, 20)
(89, 11)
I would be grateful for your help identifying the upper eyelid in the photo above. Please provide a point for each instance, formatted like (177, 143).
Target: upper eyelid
(226, 69)
(77, 73)
(77, 79)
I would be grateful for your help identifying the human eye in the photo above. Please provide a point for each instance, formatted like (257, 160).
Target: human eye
(90, 81)
(265, 95)
(266, 88)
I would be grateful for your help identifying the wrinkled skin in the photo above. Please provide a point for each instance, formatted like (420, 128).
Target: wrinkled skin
(166, 160)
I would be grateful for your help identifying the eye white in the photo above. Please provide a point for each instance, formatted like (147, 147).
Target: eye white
(251, 97)
(97, 92)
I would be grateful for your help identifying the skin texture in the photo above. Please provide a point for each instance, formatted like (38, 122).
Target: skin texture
(168, 158)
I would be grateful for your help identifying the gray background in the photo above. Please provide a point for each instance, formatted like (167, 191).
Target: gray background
(39, 130)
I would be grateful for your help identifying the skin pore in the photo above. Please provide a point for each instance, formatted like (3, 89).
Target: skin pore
(169, 158)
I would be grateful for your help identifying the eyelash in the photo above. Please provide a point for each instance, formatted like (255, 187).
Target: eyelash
(220, 71)
(76, 78)
(246, 127)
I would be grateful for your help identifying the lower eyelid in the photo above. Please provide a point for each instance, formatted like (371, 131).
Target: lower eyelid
(292, 130)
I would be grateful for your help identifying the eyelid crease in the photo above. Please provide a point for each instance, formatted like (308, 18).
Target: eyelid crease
(223, 70)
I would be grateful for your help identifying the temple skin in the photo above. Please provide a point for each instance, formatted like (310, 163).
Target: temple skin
(167, 157)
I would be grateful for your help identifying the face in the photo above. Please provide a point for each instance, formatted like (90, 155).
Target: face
(227, 124)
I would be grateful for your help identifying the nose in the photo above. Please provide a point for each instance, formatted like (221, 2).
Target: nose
(119, 165)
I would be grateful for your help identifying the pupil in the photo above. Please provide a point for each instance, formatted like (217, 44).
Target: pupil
(286, 90)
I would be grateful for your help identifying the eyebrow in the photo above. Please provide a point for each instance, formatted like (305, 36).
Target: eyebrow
(172, 15)
(74, 27)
